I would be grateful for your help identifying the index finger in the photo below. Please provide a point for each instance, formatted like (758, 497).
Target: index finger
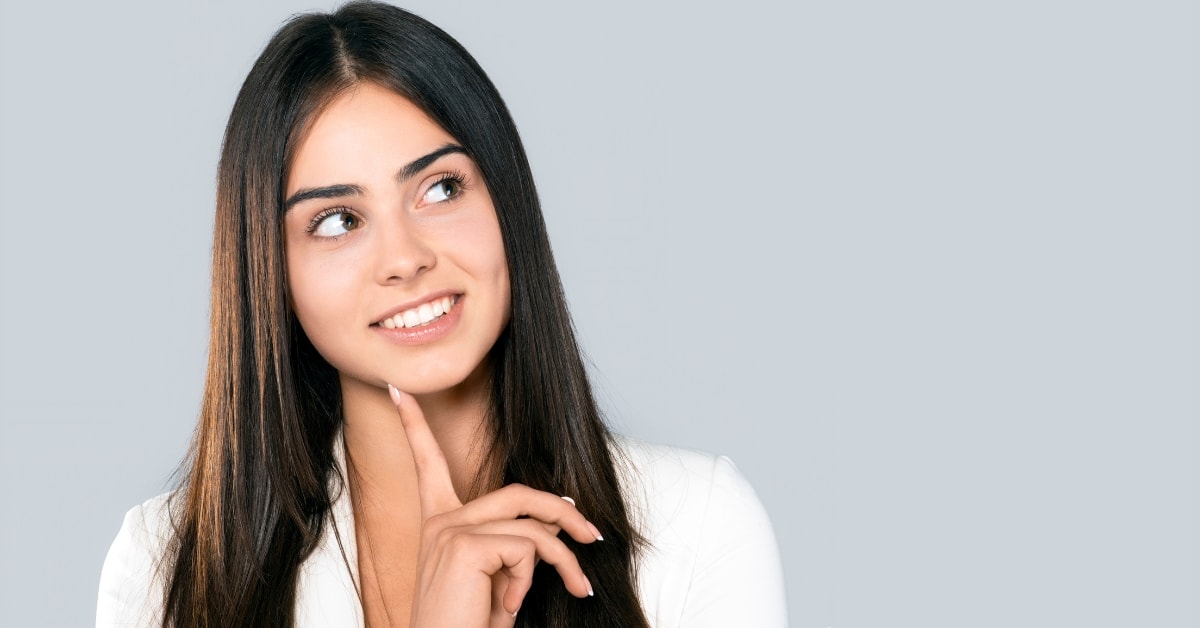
(433, 474)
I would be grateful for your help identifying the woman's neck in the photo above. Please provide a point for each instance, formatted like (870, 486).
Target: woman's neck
(383, 483)
(380, 459)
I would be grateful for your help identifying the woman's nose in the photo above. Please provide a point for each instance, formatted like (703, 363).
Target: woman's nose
(403, 252)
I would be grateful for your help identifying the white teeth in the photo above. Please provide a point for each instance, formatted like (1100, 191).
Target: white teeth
(422, 315)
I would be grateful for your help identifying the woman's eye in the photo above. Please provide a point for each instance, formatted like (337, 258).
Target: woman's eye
(335, 225)
(442, 190)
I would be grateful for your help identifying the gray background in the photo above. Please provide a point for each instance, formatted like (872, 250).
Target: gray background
(926, 270)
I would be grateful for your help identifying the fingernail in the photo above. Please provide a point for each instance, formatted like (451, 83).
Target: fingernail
(395, 393)
(589, 583)
(595, 532)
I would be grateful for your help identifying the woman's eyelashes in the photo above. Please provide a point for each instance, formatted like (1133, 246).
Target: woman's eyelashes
(447, 187)
(333, 222)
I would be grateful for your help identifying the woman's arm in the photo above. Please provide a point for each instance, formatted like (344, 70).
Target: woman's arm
(738, 577)
(711, 558)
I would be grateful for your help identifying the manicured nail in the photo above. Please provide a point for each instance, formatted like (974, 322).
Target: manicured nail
(589, 583)
(395, 394)
(595, 532)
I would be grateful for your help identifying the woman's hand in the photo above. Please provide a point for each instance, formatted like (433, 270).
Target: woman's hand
(476, 561)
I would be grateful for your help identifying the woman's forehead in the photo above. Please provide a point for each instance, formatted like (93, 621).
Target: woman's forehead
(365, 130)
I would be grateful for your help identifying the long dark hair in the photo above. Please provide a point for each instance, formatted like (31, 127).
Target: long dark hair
(255, 491)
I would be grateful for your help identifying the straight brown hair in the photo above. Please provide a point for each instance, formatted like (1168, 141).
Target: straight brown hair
(256, 485)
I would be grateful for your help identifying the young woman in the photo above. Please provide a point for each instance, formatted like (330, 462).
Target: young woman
(397, 428)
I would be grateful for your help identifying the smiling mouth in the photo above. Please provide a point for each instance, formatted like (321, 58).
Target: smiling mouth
(421, 315)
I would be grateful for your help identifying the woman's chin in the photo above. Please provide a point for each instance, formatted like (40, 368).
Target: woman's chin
(418, 384)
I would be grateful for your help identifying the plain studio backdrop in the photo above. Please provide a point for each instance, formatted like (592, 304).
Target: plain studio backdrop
(925, 270)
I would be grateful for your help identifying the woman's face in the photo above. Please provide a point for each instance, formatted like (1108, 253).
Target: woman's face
(396, 268)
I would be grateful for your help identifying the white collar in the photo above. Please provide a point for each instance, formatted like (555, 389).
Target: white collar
(327, 592)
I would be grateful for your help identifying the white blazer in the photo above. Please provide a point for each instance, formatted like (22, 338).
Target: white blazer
(712, 560)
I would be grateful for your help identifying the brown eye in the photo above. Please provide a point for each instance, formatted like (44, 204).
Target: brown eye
(336, 224)
(443, 190)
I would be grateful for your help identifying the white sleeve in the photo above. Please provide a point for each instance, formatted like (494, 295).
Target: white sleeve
(131, 592)
(738, 578)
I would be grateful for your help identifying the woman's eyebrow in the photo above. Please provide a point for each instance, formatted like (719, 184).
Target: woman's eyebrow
(417, 165)
(329, 191)
(339, 190)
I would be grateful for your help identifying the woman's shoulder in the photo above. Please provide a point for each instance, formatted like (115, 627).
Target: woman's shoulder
(681, 489)
(675, 478)
(131, 589)
(710, 557)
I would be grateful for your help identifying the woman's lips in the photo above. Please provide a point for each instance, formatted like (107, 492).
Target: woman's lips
(424, 323)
